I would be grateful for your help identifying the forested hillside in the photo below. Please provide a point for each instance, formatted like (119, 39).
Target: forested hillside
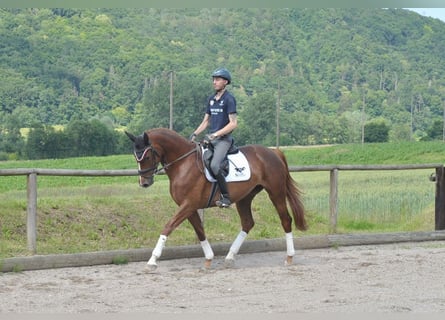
(336, 74)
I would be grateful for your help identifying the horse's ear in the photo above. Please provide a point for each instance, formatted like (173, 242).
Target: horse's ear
(146, 140)
(131, 136)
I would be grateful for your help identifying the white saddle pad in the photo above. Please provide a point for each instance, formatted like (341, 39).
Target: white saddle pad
(239, 169)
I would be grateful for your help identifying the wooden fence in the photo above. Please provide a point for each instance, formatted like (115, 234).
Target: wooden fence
(32, 174)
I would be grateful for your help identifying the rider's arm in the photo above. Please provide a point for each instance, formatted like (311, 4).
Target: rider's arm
(203, 125)
(233, 123)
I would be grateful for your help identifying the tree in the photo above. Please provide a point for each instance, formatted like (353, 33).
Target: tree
(435, 132)
(44, 142)
(11, 138)
(376, 131)
(36, 143)
(258, 125)
(90, 138)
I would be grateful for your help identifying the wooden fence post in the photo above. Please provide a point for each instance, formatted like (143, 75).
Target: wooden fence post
(333, 200)
(31, 226)
(440, 199)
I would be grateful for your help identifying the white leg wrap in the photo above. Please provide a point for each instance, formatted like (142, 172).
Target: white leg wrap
(157, 251)
(152, 261)
(208, 252)
(236, 245)
(290, 244)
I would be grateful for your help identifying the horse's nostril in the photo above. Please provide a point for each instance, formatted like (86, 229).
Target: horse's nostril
(145, 185)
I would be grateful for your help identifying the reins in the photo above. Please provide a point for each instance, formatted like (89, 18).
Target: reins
(156, 170)
(185, 155)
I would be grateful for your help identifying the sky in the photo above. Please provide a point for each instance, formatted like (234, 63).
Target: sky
(438, 13)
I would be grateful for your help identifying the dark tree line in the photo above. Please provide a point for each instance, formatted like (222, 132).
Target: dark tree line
(79, 139)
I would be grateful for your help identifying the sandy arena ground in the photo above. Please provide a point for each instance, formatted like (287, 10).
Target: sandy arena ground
(405, 277)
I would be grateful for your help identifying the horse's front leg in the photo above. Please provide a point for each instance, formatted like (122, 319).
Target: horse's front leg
(156, 253)
(197, 223)
(174, 222)
(245, 212)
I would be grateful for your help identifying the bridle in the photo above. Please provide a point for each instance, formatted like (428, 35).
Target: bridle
(142, 155)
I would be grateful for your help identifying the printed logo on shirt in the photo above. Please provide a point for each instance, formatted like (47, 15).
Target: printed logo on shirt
(212, 102)
(216, 110)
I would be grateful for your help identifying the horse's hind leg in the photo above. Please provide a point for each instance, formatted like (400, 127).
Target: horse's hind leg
(279, 201)
(196, 222)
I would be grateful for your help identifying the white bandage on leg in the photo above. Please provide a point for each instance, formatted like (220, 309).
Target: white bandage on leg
(290, 244)
(208, 252)
(152, 261)
(236, 245)
(157, 251)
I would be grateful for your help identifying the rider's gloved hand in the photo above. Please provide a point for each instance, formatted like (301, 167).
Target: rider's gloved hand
(192, 137)
(209, 138)
(206, 139)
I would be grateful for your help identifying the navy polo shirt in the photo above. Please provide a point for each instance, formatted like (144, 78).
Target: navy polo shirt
(219, 110)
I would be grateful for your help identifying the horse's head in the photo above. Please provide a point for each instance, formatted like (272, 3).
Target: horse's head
(146, 157)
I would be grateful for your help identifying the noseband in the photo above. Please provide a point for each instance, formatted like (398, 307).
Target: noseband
(141, 156)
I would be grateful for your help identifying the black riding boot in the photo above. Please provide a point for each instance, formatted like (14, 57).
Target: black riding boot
(224, 202)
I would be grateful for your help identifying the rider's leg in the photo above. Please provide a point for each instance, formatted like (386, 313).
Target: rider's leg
(224, 202)
(221, 146)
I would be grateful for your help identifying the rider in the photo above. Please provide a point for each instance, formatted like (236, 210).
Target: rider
(222, 117)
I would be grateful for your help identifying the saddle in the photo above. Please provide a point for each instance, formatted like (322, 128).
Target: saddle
(235, 165)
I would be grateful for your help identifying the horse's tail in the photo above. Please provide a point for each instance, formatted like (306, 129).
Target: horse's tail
(293, 196)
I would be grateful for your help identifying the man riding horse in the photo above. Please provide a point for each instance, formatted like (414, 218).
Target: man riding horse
(191, 189)
(222, 117)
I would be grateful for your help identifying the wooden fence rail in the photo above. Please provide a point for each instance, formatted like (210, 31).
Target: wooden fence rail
(32, 174)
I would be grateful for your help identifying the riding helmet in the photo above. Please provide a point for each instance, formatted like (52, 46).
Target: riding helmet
(222, 73)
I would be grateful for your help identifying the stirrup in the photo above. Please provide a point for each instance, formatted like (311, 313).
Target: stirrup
(223, 202)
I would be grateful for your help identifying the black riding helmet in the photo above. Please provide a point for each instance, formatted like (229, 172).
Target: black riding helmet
(222, 73)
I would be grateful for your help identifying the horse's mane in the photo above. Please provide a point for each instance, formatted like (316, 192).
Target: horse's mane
(167, 133)
(164, 132)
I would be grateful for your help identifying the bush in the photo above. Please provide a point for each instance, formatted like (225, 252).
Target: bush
(81, 138)
(3, 156)
(376, 131)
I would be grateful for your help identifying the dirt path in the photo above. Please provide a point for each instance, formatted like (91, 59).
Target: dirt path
(406, 277)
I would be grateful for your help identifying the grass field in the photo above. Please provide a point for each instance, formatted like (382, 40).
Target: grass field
(78, 214)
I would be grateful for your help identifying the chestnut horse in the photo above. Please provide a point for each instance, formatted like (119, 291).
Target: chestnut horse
(181, 160)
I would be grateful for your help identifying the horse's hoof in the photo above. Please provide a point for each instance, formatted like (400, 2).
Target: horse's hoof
(229, 263)
(150, 268)
(288, 261)
(205, 269)
(207, 264)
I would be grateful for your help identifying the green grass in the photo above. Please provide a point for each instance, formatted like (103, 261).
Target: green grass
(78, 214)
(373, 153)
